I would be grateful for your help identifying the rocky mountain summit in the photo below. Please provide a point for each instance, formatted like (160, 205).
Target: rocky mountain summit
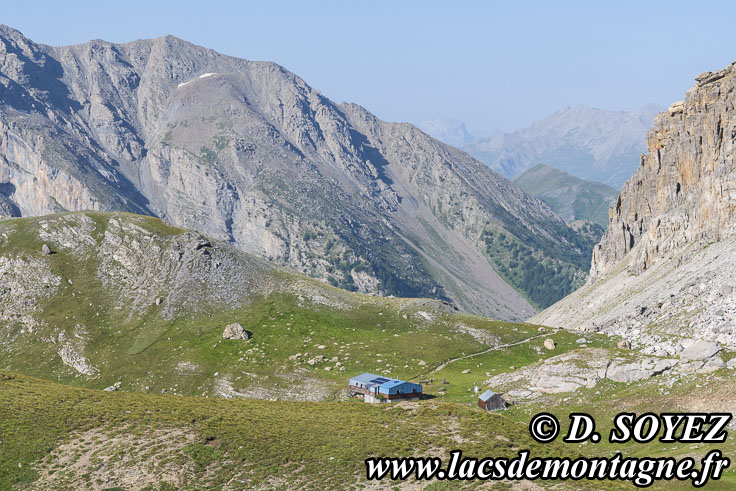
(662, 274)
(449, 131)
(246, 152)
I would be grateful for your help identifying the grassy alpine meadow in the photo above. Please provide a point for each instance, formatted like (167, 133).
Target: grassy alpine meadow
(59, 437)
(184, 407)
(180, 442)
(186, 354)
(464, 374)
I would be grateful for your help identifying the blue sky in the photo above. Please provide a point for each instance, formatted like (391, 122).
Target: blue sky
(490, 64)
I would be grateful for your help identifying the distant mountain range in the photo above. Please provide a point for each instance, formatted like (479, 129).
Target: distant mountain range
(588, 143)
(571, 198)
(246, 152)
(454, 132)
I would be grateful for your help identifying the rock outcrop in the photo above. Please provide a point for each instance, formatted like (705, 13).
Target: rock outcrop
(684, 191)
(575, 369)
(585, 368)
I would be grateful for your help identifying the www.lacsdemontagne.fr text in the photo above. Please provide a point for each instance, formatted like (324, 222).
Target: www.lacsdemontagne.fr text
(642, 472)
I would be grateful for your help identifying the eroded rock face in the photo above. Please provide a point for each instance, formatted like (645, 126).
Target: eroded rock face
(685, 189)
(136, 263)
(23, 282)
(71, 351)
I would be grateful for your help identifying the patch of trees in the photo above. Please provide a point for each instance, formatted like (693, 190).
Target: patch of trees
(543, 272)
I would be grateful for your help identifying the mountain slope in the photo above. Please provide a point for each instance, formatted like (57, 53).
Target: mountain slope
(126, 298)
(663, 271)
(593, 144)
(248, 153)
(128, 303)
(571, 198)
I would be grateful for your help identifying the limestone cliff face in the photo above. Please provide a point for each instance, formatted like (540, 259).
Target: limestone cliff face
(662, 276)
(685, 188)
(248, 153)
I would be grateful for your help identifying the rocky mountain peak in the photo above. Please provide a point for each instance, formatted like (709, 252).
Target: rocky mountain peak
(589, 143)
(248, 153)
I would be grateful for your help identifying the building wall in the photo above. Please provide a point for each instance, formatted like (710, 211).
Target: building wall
(495, 403)
(405, 388)
(392, 398)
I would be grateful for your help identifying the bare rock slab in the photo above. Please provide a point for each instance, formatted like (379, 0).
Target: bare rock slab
(700, 350)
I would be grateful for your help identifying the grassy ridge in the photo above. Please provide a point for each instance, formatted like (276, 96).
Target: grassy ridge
(568, 196)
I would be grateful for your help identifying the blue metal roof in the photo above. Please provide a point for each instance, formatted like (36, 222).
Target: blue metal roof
(392, 383)
(485, 396)
(384, 385)
(369, 378)
(395, 386)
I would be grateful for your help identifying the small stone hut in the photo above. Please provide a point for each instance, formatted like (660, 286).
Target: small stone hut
(490, 401)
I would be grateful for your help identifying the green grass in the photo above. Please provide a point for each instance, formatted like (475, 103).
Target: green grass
(145, 352)
(482, 367)
(276, 443)
(317, 445)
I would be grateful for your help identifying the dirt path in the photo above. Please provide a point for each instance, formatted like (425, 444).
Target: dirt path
(495, 348)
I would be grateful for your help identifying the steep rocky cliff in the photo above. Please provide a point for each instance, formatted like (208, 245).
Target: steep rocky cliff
(664, 268)
(685, 188)
(248, 153)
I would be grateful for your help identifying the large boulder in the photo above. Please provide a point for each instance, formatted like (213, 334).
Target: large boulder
(700, 350)
(235, 331)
